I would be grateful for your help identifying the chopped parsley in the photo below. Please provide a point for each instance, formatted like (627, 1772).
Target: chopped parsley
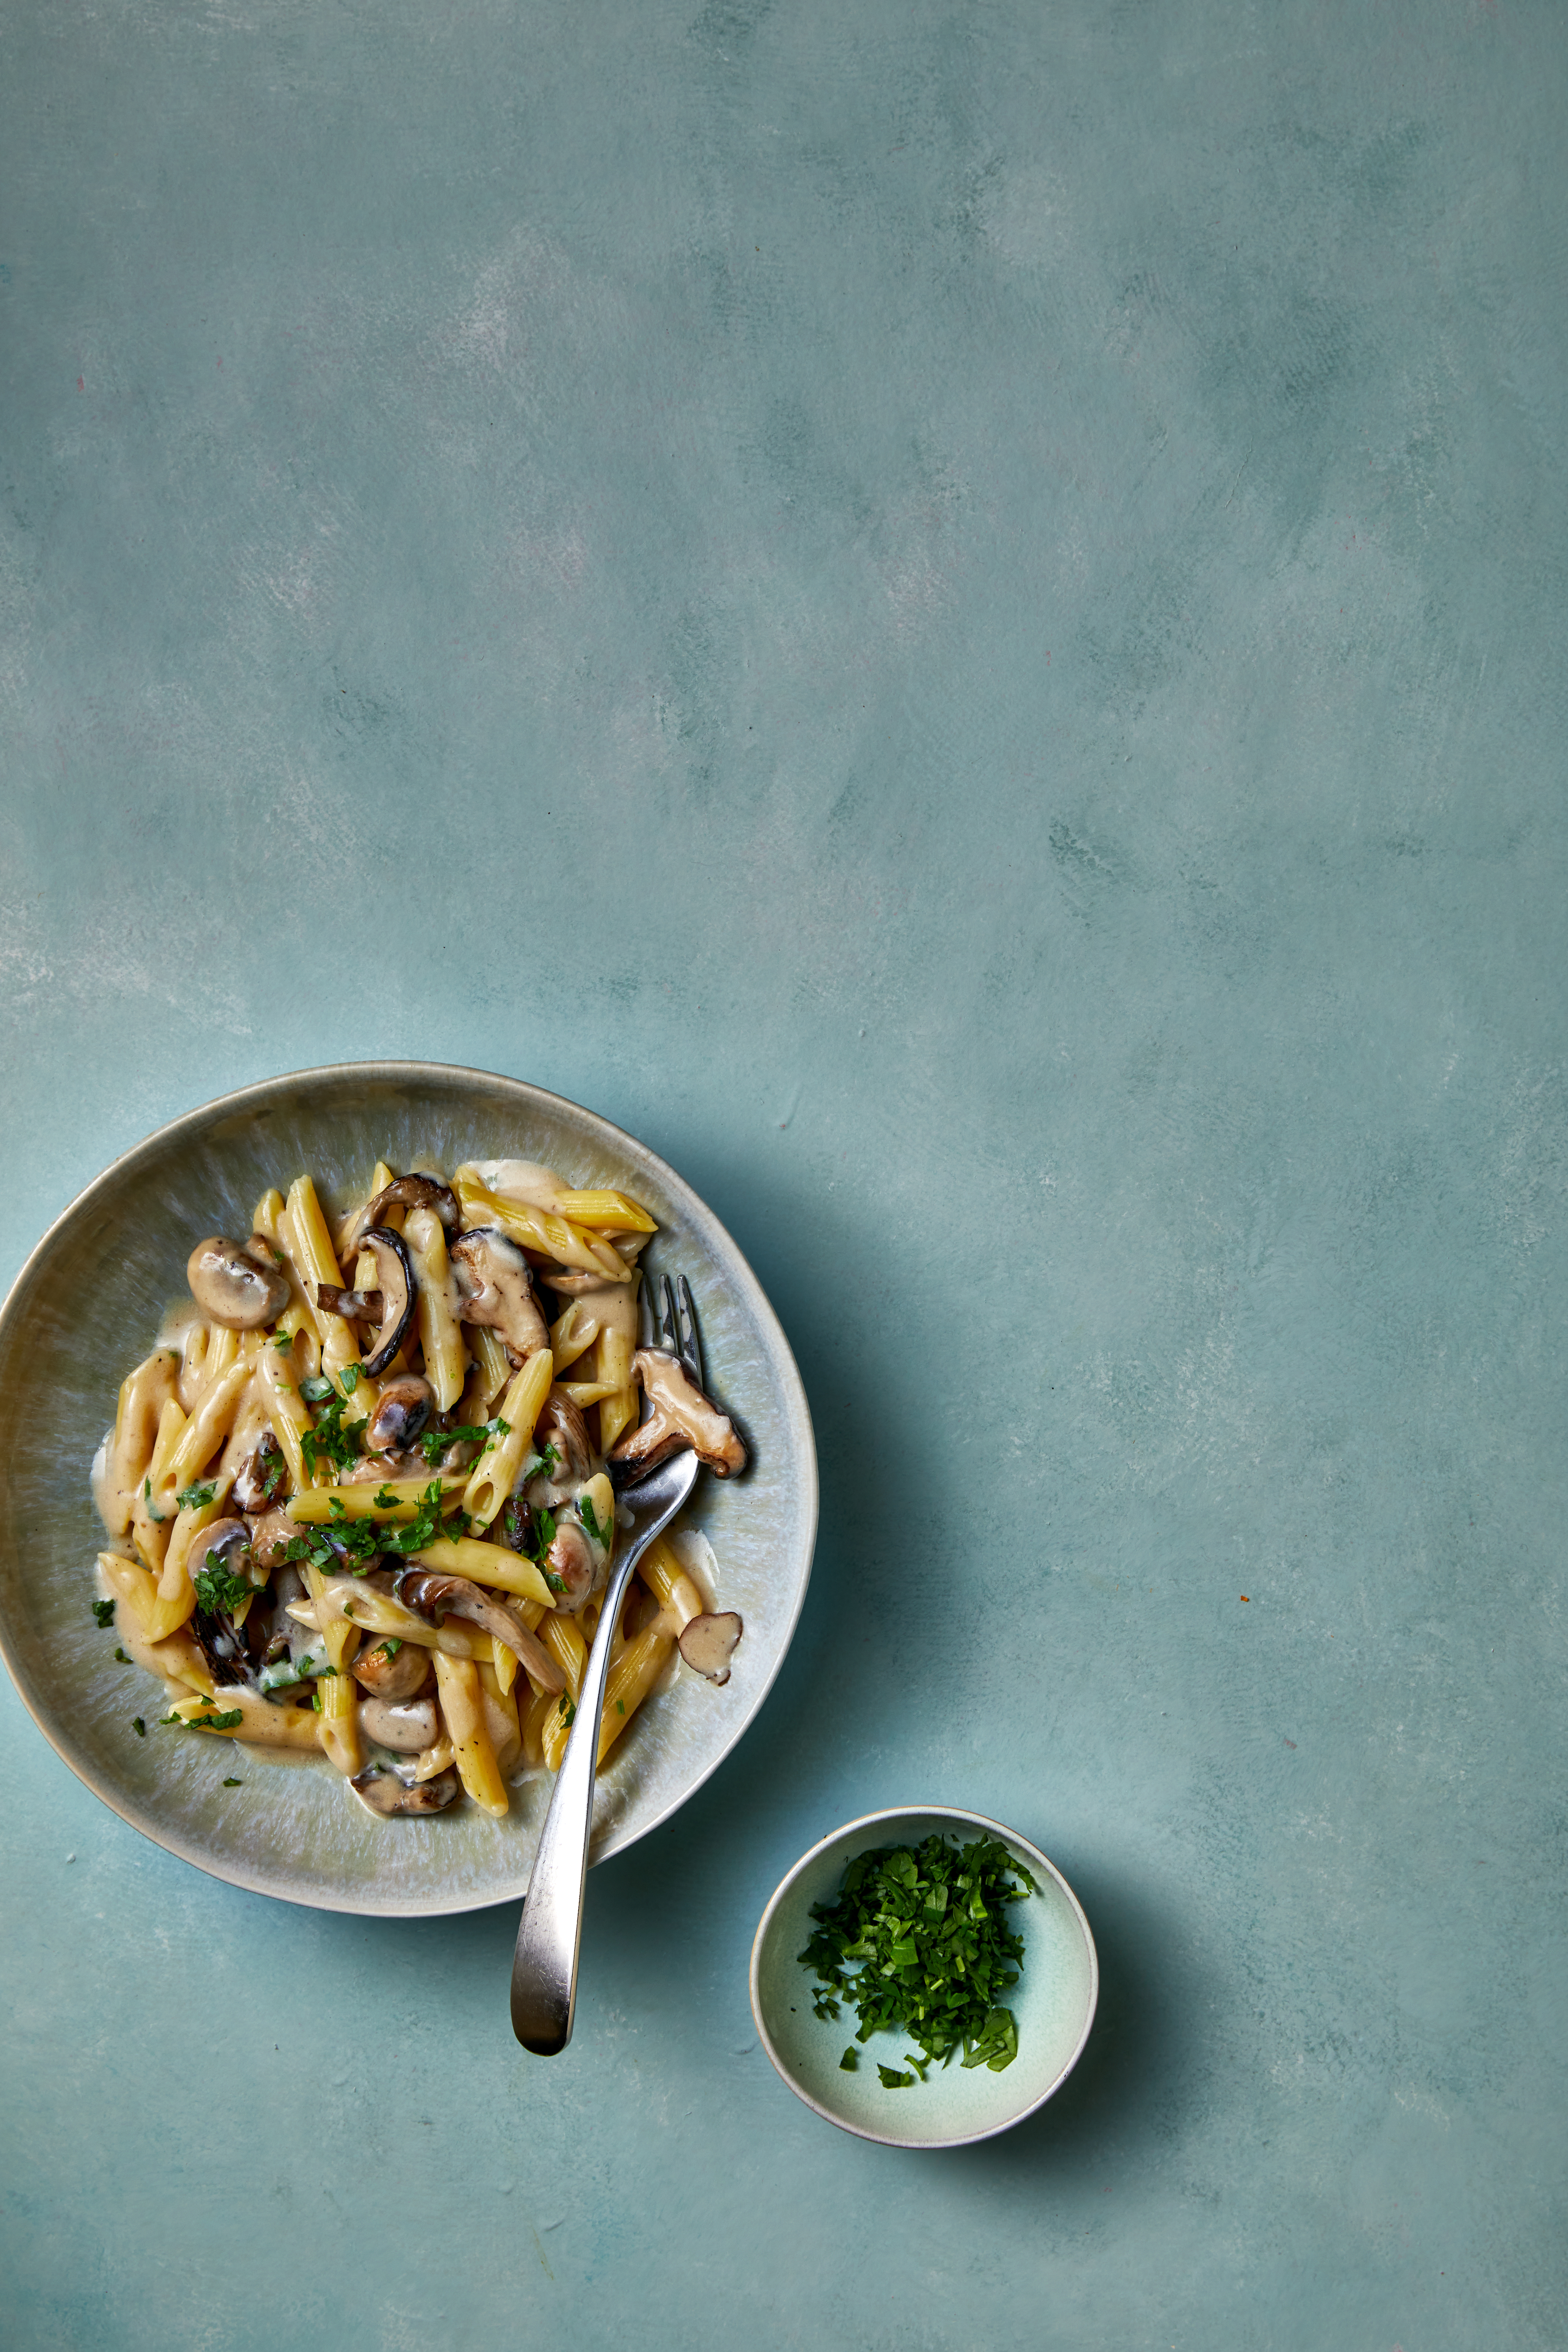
(391, 1647)
(851, 2061)
(354, 1543)
(330, 1440)
(104, 1612)
(156, 1517)
(620, 1707)
(233, 1784)
(435, 1442)
(194, 1497)
(219, 1591)
(590, 1519)
(918, 1939)
(122, 1658)
(568, 1709)
(282, 1341)
(229, 1720)
(137, 1726)
(274, 1479)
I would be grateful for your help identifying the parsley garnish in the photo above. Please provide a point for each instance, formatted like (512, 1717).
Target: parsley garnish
(233, 1784)
(228, 1721)
(917, 1938)
(391, 1647)
(218, 1591)
(620, 1707)
(122, 1658)
(104, 1612)
(194, 1497)
(851, 2061)
(350, 1377)
(274, 1479)
(435, 1442)
(283, 1339)
(137, 1726)
(589, 1517)
(329, 1440)
(568, 1708)
(156, 1517)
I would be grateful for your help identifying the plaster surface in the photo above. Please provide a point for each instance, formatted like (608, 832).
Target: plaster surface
(953, 615)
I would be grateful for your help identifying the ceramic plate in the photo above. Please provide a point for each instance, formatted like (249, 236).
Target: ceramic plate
(86, 1306)
(1053, 2002)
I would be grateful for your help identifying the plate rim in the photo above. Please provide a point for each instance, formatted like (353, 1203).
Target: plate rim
(1011, 1837)
(250, 1097)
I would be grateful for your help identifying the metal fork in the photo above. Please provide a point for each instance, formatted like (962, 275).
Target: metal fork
(550, 1935)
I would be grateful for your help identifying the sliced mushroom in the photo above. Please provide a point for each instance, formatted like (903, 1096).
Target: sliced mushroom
(495, 1289)
(681, 1416)
(384, 1792)
(263, 1476)
(402, 1192)
(393, 1670)
(240, 1285)
(405, 1727)
(562, 1424)
(434, 1596)
(708, 1642)
(294, 1652)
(354, 1306)
(394, 1287)
(572, 1561)
(270, 1537)
(225, 1546)
(403, 1408)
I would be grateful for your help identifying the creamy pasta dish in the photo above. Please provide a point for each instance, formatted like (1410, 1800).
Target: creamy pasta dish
(361, 1497)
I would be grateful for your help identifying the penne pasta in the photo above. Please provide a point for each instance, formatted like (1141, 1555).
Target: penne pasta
(487, 1563)
(315, 1261)
(553, 1237)
(446, 1359)
(677, 1595)
(459, 1690)
(129, 1458)
(496, 1471)
(205, 1429)
(359, 1501)
(493, 1365)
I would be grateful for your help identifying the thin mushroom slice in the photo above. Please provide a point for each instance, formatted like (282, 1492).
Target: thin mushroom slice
(434, 1596)
(573, 1562)
(354, 1306)
(384, 1792)
(263, 1476)
(395, 1283)
(708, 1642)
(403, 1192)
(681, 1415)
(237, 1284)
(561, 1424)
(495, 1286)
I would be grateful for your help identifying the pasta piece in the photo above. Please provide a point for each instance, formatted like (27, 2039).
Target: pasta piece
(358, 1501)
(432, 1760)
(372, 1611)
(171, 1429)
(536, 1229)
(616, 1211)
(500, 1721)
(205, 1429)
(504, 1661)
(532, 1718)
(487, 1563)
(261, 1723)
(675, 1592)
(496, 1471)
(493, 1365)
(339, 1694)
(587, 1393)
(612, 1353)
(440, 1334)
(289, 1414)
(143, 1396)
(563, 1639)
(459, 1689)
(572, 1335)
(316, 1263)
(176, 1593)
(632, 1677)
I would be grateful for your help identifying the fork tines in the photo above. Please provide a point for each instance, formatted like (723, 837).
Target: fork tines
(678, 1334)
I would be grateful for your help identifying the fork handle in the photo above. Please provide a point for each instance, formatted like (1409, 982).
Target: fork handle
(544, 1965)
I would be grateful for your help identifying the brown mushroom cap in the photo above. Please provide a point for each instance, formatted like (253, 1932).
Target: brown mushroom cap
(572, 1558)
(402, 1410)
(681, 1415)
(240, 1285)
(406, 1726)
(495, 1287)
(392, 1671)
(263, 1476)
(402, 1192)
(708, 1642)
(384, 1792)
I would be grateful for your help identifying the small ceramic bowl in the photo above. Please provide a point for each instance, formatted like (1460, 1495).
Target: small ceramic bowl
(1053, 2000)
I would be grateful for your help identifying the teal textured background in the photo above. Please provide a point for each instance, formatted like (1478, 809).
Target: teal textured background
(955, 615)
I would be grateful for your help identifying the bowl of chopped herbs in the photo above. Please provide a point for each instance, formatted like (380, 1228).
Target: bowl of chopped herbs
(924, 1978)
